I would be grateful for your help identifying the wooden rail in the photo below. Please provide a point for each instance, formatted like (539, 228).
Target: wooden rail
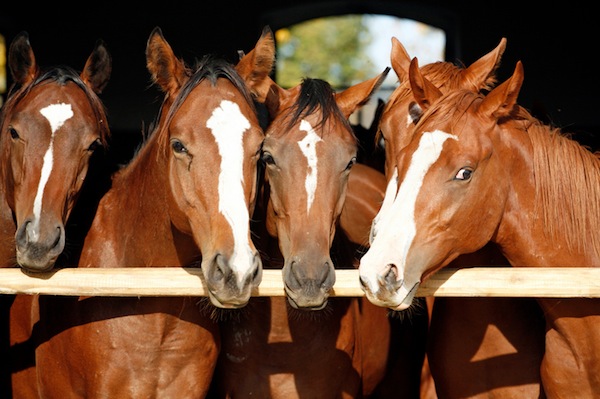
(175, 281)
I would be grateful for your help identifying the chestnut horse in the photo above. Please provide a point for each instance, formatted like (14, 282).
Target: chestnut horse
(184, 199)
(497, 344)
(309, 345)
(479, 169)
(50, 126)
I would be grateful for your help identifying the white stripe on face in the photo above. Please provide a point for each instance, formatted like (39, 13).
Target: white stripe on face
(397, 231)
(57, 115)
(388, 200)
(308, 146)
(228, 126)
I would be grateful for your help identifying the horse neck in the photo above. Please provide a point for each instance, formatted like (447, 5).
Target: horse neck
(7, 222)
(140, 191)
(525, 236)
(7, 235)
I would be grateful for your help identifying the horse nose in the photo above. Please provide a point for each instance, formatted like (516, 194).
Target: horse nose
(255, 274)
(228, 285)
(38, 248)
(389, 279)
(301, 275)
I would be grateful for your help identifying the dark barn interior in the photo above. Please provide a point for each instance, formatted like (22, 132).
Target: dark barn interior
(556, 43)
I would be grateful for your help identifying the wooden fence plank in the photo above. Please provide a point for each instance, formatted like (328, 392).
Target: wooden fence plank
(175, 281)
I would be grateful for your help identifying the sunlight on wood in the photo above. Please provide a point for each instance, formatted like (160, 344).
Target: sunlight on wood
(175, 281)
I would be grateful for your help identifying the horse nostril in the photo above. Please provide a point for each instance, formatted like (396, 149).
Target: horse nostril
(391, 277)
(293, 279)
(257, 273)
(58, 237)
(328, 277)
(218, 272)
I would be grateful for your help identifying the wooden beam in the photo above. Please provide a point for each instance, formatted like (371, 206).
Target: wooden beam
(175, 281)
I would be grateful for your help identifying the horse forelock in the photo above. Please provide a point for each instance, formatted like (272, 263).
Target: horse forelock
(444, 75)
(317, 95)
(208, 68)
(450, 108)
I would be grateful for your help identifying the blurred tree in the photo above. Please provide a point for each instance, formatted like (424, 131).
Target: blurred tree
(332, 49)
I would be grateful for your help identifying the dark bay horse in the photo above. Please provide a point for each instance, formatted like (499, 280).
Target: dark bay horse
(485, 170)
(184, 199)
(51, 125)
(495, 347)
(307, 344)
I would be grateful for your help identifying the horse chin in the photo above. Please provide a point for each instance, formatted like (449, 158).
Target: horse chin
(228, 301)
(320, 305)
(398, 300)
(36, 265)
(306, 302)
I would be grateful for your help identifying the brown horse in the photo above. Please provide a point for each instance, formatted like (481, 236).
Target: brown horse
(309, 345)
(485, 170)
(496, 346)
(50, 126)
(185, 198)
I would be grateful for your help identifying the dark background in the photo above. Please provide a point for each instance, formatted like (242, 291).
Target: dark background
(556, 42)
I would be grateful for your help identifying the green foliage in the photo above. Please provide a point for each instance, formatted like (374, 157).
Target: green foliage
(332, 49)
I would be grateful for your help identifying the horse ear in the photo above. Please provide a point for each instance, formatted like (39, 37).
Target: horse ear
(482, 73)
(165, 68)
(424, 92)
(21, 59)
(358, 95)
(98, 68)
(256, 66)
(400, 60)
(276, 97)
(502, 100)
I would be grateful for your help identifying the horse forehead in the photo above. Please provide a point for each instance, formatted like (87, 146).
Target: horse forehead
(206, 102)
(46, 94)
(310, 132)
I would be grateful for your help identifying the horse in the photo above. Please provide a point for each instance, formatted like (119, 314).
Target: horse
(183, 200)
(53, 127)
(488, 354)
(478, 169)
(307, 344)
(52, 123)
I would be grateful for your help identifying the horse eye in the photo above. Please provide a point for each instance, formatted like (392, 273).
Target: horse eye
(267, 158)
(178, 146)
(13, 132)
(351, 163)
(95, 145)
(463, 174)
(415, 112)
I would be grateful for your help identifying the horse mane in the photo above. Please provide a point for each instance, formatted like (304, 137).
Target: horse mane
(316, 94)
(567, 177)
(60, 75)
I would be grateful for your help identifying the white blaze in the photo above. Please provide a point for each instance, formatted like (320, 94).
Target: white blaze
(396, 231)
(228, 126)
(56, 114)
(308, 146)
